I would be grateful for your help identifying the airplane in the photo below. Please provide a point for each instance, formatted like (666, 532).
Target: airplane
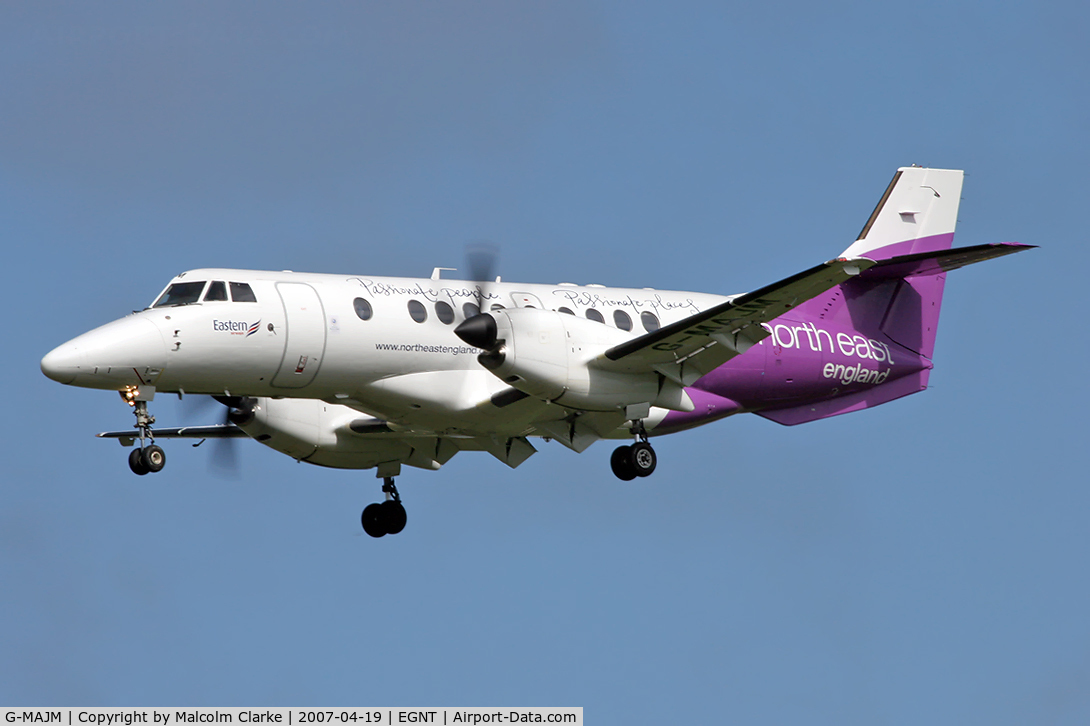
(364, 372)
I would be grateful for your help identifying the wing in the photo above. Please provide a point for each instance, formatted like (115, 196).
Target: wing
(217, 431)
(686, 350)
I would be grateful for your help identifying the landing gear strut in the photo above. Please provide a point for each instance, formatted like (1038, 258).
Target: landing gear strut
(388, 517)
(638, 459)
(149, 458)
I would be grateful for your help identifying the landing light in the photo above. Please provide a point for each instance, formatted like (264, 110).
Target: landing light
(129, 394)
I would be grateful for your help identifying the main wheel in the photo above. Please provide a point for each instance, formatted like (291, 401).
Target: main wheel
(137, 463)
(393, 516)
(643, 459)
(621, 463)
(372, 520)
(154, 458)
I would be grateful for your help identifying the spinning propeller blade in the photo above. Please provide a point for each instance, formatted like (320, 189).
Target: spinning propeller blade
(480, 330)
(481, 260)
(238, 410)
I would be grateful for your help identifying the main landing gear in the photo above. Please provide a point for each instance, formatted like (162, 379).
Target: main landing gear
(148, 458)
(388, 517)
(638, 459)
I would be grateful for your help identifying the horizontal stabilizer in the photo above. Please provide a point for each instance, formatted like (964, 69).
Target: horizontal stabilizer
(216, 431)
(934, 263)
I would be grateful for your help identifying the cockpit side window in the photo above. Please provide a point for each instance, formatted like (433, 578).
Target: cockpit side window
(241, 292)
(217, 292)
(180, 293)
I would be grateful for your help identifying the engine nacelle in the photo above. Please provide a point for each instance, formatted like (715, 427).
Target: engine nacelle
(547, 354)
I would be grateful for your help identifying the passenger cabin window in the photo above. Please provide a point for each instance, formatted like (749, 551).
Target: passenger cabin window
(362, 308)
(650, 322)
(444, 312)
(496, 306)
(621, 320)
(241, 292)
(594, 315)
(180, 293)
(566, 311)
(470, 310)
(417, 311)
(217, 292)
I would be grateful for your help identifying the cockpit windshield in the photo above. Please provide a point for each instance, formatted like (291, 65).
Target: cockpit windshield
(217, 291)
(241, 292)
(180, 293)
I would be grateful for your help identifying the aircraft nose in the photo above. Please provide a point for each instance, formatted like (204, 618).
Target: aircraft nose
(117, 354)
(62, 364)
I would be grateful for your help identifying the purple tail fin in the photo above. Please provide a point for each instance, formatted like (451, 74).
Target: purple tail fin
(910, 234)
(896, 301)
(904, 311)
(915, 216)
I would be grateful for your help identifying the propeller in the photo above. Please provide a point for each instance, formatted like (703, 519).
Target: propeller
(239, 411)
(481, 260)
(480, 330)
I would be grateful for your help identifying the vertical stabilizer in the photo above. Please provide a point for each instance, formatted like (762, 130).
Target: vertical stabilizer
(917, 213)
(894, 303)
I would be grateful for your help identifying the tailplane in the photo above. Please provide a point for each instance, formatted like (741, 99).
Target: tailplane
(897, 301)
(910, 235)
(900, 297)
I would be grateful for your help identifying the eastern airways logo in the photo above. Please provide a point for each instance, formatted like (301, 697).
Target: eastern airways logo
(236, 327)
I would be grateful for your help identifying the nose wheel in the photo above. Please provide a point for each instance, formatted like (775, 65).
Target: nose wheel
(148, 458)
(638, 459)
(388, 517)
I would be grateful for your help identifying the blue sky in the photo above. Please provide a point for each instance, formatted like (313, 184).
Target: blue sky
(921, 562)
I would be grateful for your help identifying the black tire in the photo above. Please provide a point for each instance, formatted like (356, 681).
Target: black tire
(621, 463)
(137, 463)
(154, 458)
(642, 459)
(372, 520)
(393, 516)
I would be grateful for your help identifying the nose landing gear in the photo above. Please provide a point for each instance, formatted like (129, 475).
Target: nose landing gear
(388, 517)
(149, 458)
(638, 459)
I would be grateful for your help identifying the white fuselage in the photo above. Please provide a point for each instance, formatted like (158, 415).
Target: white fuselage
(305, 348)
